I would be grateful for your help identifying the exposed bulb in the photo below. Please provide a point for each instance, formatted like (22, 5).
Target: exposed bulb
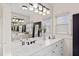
(44, 10)
(48, 12)
(35, 5)
(13, 20)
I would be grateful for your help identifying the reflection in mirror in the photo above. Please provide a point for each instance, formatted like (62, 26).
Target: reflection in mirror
(22, 29)
(19, 27)
(37, 29)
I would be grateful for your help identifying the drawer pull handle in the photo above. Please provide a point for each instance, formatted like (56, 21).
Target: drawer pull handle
(56, 45)
(53, 51)
(61, 53)
(61, 42)
(61, 47)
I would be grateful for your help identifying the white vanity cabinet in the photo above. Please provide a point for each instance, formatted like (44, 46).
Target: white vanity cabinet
(59, 50)
(55, 49)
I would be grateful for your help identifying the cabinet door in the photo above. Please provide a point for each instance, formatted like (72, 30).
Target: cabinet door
(61, 43)
(48, 53)
(68, 48)
(43, 52)
(58, 50)
(54, 52)
(55, 49)
(61, 48)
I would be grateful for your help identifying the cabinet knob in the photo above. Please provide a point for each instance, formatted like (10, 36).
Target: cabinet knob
(53, 51)
(61, 53)
(61, 47)
(61, 42)
(56, 45)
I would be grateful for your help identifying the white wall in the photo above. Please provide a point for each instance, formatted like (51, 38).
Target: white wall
(6, 30)
(59, 9)
(0, 31)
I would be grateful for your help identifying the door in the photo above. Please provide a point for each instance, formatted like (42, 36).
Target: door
(76, 34)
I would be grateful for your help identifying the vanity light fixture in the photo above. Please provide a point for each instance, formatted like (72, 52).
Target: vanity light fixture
(15, 19)
(38, 8)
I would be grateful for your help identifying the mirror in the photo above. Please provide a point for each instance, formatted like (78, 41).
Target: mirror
(26, 23)
(37, 30)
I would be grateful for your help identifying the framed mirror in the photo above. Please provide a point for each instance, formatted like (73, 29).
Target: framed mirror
(36, 29)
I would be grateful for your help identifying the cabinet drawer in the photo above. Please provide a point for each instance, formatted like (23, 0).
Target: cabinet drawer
(57, 52)
(54, 52)
(48, 54)
(60, 44)
(55, 49)
(43, 51)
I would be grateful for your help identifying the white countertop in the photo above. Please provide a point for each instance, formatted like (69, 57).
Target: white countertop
(26, 50)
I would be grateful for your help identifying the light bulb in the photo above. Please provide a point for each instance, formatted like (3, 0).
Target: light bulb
(19, 20)
(40, 7)
(44, 10)
(48, 12)
(35, 5)
(13, 20)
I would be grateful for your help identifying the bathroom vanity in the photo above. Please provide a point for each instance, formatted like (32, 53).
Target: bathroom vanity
(49, 47)
(31, 38)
